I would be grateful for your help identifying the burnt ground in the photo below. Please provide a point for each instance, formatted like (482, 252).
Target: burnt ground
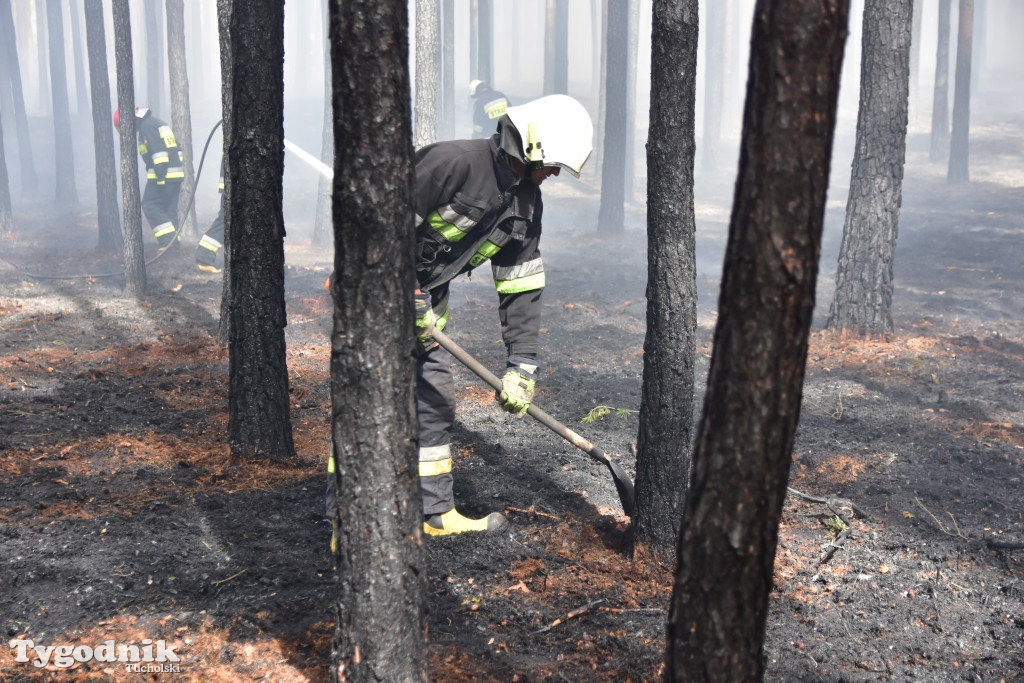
(122, 518)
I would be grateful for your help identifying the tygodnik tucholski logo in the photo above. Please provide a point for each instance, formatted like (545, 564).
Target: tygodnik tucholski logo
(151, 656)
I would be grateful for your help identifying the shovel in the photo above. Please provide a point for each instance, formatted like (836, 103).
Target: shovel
(622, 482)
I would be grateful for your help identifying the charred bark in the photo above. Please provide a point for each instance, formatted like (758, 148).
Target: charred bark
(745, 438)
(64, 162)
(380, 633)
(131, 203)
(109, 222)
(959, 142)
(259, 421)
(666, 409)
(863, 295)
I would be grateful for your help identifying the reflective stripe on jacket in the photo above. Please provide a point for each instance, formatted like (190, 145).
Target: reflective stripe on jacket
(471, 207)
(159, 150)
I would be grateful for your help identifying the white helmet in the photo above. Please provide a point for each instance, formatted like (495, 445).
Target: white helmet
(474, 87)
(558, 130)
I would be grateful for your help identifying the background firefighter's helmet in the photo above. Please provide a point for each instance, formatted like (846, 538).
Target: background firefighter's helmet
(551, 131)
(476, 86)
(139, 113)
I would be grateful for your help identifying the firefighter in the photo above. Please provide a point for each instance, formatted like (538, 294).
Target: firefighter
(490, 106)
(210, 250)
(480, 200)
(165, 170)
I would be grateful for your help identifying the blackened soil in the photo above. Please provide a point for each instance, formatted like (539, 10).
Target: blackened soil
(122, 517)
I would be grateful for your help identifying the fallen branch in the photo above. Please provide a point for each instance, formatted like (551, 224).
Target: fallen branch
(230, 578)
(571, 615)
(834, 503)
(958, 534)
(531, 511)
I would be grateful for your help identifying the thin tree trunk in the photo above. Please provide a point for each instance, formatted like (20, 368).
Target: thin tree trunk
(611, 213)
(81, 91)
(666, 409)
(485, 44)
(940, 94)
(744, 443)
(6, 214)
(226, 94)
(110, 240)
(959, 144)
(131, 226)
(42, 58)
(715, 48)
(322, 232)
(181, 110)
(64, 162)
(446, 131)
(378, 518)
(8, 42)
(154, 60)
(428, 63)
(629, 163)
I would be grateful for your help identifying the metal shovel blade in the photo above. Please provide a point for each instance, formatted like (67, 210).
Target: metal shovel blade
(623, 484)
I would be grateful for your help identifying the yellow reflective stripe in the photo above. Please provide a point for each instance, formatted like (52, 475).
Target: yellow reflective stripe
(450, 232)
(433, 468)
(486, 251)
(163, 229)
(330, 464)
(143, 149)
(172, 173)
(161, 158)
(522, 284)
(150, 175)
(207, 242)
(496, 108)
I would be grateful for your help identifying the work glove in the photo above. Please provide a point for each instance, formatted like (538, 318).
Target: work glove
(425, 321)
(518, 385)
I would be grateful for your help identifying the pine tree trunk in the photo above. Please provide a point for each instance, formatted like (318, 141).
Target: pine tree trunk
(131, 203)
(863, 295)
(666, 408)
(322, 233)
(259, 421)
(611, 213)
(64, 161)
(940, 95)
(8, 43)
(715, 48)
(154, 61)
(181, 110)
(485, 45)
(744, 443)
(6, 215)
(381, 577)
(959, 143)
(428, 63)
(81, 91)
(110, 240)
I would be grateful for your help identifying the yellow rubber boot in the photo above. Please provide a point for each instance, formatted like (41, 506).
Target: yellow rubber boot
(452, 522)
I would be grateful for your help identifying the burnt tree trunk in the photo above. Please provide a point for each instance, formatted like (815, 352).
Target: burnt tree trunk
(940, 94)
(8, 43)
(227, 102)
(259, 421)
(666, 408)
(959, 142)
(181, 108)
(381, 574)
(745, 438)
(556, 47)
(610, 216)
(447, 128)
(131, 204)
(109, 222)
(863, 294)
(64, 156)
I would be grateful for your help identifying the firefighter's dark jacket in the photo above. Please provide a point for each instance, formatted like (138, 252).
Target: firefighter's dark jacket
(159, 150)
(471, 206)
